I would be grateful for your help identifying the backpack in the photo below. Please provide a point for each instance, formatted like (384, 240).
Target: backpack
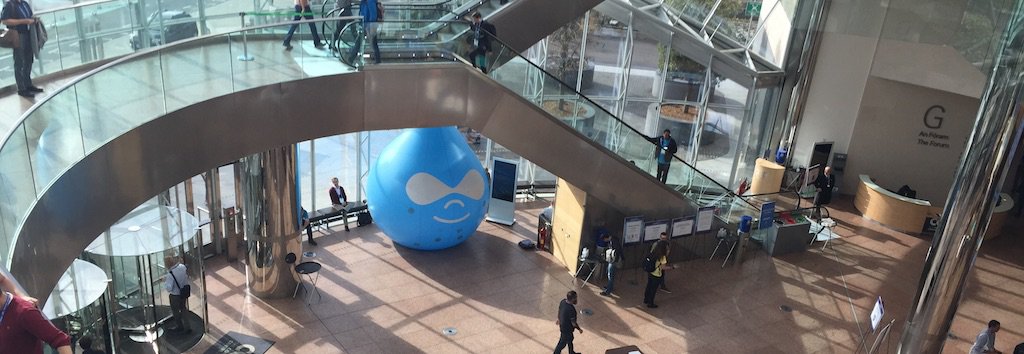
(526, 244)
(364, 218)
(649, 264)
(611, 255)
(184, 291)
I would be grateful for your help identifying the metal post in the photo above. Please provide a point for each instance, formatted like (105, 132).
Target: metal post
(212, 179)
(972, 198)
(245, 42)
(271, 221)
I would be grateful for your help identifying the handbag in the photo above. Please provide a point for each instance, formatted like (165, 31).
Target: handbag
(9, 39)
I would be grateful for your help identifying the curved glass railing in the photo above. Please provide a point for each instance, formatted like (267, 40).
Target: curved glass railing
(96, 107)
(109, 101)
(95, 31)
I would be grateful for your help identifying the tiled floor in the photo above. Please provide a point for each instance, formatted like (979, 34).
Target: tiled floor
(382, 298)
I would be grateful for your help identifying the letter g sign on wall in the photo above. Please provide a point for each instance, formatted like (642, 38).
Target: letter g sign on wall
(933, 118)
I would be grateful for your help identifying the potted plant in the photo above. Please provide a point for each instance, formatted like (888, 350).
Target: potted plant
(684, 78)
(566, 43)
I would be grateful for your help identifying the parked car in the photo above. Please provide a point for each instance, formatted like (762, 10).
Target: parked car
(177, 25)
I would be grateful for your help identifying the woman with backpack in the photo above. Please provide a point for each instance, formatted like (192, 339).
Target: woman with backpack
(654, 264)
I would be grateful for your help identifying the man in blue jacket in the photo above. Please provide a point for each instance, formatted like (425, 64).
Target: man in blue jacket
(372, 12)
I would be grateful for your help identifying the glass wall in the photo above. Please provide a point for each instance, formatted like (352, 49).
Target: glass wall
(652, 87)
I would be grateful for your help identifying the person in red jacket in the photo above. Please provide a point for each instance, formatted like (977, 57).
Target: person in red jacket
(23, 328)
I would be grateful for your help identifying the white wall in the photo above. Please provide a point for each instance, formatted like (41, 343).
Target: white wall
(894, 144)
(833, 103)
(880, 67)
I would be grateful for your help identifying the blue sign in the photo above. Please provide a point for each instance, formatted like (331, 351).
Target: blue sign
(767, 215)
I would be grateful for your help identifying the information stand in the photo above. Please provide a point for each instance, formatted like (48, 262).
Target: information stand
(502, 208)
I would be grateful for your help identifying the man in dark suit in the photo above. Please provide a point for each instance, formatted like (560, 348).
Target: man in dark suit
(337, 193)
(339, 199)
(481, 41)
(825, 182)
(665, 148)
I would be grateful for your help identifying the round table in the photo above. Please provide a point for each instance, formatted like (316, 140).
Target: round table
(308, 269)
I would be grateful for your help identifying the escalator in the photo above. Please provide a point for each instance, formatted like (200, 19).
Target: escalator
(529, 80)
(408, 24)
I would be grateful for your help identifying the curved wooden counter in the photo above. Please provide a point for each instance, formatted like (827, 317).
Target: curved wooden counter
(890, 209)
(767, 177)
(999, 213)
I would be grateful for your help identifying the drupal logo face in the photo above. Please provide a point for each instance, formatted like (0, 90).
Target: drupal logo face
(427, 189)
(424, 189)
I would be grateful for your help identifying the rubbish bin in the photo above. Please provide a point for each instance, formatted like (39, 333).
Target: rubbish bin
(745, 222)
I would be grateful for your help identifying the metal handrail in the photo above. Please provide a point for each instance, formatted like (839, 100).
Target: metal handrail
(141, 53)
(72, 6)
(597, 106)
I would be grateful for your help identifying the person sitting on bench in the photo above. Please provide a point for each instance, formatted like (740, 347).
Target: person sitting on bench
(339, 199)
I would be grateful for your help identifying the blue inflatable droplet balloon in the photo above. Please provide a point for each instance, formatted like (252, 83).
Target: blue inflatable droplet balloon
(427, 190)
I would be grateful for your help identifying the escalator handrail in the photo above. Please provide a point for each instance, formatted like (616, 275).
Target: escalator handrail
(505, 46)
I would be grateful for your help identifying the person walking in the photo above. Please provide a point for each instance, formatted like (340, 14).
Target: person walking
(175, 283)
(567, 322)
(663, 237)
(342, 8)
(985, 343)
(665, 148)
(372, 12)
(302, 11)
(17, 15)
(23, 329)
(654, 278)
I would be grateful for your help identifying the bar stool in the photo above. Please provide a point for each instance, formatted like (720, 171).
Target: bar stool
(308, 269)
(725, 236)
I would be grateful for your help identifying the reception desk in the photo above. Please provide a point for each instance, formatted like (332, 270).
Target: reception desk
(999, 213)
(890, 209)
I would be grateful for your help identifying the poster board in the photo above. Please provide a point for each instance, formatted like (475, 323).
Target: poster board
(705, 217)
(767, 216)
(653, 230)
(682, 227)
(632, 229)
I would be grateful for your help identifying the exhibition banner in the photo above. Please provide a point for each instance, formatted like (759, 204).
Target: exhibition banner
(682, 226)
(653, 230)
(705, 216)
(632, 229)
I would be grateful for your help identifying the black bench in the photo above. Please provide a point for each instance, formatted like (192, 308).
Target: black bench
(323, 217)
